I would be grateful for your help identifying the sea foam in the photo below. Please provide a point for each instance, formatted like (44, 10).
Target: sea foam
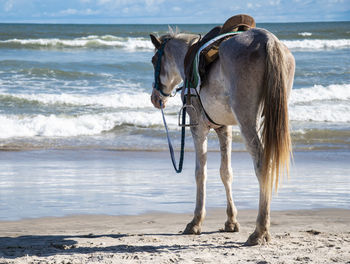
(69, 126)
(321, 104)
(319, 93)
(317, 104)
(87, 42)
(141, 43)
(110, 100)
(317, 44)
(305, 34)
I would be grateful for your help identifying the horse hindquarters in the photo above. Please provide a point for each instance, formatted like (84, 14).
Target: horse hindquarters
(260, 70)
(275, 137)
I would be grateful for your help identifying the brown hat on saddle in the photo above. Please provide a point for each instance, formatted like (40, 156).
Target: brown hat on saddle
(240, 22)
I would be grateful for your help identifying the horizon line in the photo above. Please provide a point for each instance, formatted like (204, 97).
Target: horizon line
(181, 23)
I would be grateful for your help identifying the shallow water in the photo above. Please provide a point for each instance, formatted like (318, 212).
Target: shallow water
(63, 182)
(74, 86)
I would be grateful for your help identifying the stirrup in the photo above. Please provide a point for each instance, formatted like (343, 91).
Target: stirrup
(193, 114)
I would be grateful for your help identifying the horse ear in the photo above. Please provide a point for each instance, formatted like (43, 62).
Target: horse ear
(155, 41)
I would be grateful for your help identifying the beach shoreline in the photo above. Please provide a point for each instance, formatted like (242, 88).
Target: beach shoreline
(298, 236)
(43, 183)
(88, 206)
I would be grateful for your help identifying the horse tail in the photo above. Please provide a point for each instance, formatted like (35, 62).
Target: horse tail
(275, 137)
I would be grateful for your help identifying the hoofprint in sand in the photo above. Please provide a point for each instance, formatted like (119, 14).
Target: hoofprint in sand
(310, 236)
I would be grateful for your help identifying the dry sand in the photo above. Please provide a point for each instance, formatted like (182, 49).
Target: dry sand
(310, 236)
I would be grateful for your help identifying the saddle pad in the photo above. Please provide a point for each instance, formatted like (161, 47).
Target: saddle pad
(196, 80)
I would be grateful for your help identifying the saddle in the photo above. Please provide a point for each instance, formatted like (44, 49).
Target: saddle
(210, 54)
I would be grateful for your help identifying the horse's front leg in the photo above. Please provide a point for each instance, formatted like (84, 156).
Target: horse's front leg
(199, 134)
(225, 137)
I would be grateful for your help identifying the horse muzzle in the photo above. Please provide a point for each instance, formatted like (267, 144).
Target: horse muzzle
(156, 98)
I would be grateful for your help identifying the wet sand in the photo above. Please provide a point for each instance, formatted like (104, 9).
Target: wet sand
(304, 236)
(42, 183)
(78, 188)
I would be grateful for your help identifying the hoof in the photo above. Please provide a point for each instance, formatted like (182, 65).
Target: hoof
(231, 227)
(258, 239)
(192, 229)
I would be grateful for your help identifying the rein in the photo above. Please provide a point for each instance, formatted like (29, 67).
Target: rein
(156, 86)
(171, 149)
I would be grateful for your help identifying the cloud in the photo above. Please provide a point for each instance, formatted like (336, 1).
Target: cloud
(68, 11)
(274, 2)
(73, 12)
(166, 11)
(253, 5)
(177, 9)
(102, 2)
(8, 6)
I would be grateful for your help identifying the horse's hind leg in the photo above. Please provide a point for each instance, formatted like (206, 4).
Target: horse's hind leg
(199, 134)
(225, 137)
(261, 233)
(247, 116)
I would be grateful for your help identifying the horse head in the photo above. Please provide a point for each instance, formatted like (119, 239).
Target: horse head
(168, 66)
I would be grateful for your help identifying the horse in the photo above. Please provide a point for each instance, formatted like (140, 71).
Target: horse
(248, 85)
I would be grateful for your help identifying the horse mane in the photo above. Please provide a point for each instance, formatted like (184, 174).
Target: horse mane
(175, 33)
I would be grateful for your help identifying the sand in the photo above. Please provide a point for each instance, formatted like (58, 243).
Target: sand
(304, 236)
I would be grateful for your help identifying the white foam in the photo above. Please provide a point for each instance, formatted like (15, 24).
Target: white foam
(305, 34)
(68, 126)
(318, 104)
(337, 113)
(319, 92)
(317, 44)
(136, 43)
(321, 104)
(113, 100)
(89, 41)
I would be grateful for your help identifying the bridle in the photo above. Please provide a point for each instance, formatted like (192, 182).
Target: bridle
(157, 84)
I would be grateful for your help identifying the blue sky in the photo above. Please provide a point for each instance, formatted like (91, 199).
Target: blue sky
(176, 11)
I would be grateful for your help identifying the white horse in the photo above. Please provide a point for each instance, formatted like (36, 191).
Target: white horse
(248, 85)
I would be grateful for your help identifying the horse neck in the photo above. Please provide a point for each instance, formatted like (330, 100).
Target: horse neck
(180, 49)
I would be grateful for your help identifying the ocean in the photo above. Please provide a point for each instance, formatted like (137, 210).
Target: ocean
(78, 132)
(88, 86)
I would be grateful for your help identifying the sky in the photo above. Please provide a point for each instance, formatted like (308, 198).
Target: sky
(170, 11)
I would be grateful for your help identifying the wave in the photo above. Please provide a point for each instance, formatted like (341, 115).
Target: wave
(319, 93)
(317, 44)
(106, 41)
(110, 100)
(70, 126)
(316, 93)
(140, 43)
(305, 34)
(56, 73)
(132, 130)
(335, 113)
(330, 104)
(321, 104)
